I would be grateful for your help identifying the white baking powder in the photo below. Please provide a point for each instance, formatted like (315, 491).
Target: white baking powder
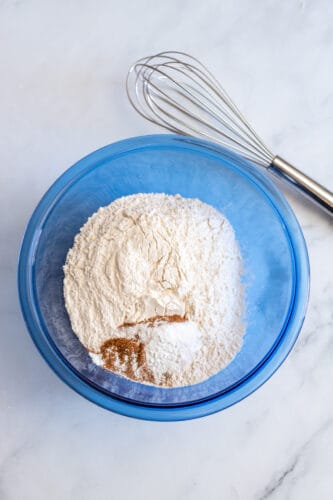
(160, 275)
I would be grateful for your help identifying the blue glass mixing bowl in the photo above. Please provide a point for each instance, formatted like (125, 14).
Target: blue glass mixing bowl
(276, 268)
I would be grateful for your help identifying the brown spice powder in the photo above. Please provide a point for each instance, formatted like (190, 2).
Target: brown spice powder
(126, 351)
(174, 318)
(132, 351)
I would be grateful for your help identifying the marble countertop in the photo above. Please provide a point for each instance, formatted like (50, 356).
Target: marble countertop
(62, 96)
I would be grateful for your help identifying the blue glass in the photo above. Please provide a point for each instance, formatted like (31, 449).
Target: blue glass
(276, 269)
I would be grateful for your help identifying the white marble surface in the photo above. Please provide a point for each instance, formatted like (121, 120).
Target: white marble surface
(62, 95)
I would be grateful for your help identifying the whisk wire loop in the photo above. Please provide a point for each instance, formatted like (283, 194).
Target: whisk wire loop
(183, 96)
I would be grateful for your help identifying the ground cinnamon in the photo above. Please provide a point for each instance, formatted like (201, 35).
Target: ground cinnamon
(128, 352)
(174, 318)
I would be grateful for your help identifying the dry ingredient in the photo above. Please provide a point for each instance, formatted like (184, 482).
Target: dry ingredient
(153, 289)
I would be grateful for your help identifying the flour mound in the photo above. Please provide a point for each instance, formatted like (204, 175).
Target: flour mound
(153, 289)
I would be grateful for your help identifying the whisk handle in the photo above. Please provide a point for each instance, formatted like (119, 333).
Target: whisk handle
(312, 189)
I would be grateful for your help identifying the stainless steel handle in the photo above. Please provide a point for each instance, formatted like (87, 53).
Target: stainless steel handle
(320, 195)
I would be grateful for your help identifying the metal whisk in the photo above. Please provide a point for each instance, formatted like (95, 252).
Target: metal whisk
(174, 90)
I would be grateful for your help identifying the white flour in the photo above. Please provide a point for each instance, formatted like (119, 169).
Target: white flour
(153, 289)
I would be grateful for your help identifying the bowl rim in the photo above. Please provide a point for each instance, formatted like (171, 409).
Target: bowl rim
(131, 409)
